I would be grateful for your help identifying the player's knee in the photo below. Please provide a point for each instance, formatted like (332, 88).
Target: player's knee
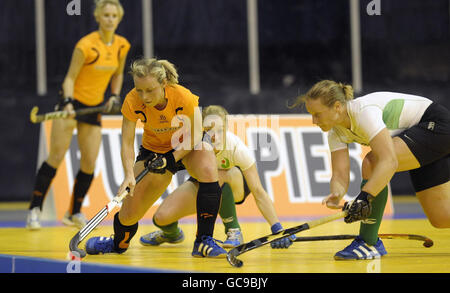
(204, 146)
(440, 222)
(207, 172)
(234, 174)
(56, 157)
(87, 165)
(127, 219)
(161, 218)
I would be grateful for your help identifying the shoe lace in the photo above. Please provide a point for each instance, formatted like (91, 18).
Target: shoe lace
(233, 234)
(156, 235)
(105, 244)
(210, 241)
(356, 243)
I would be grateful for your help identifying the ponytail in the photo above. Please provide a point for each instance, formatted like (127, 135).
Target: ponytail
(347, 90)
(329, 91)
(171, 72)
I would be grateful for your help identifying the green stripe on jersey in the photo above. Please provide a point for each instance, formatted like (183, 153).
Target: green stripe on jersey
(391, 113)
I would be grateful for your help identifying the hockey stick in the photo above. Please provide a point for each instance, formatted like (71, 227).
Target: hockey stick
(95, 221)
(427, 242)
(240, 249)
(38, 118)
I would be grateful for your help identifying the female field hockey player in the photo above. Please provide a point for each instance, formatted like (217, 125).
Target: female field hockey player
(405, 133)
(162, 105)
(238, 177)
(98, 59)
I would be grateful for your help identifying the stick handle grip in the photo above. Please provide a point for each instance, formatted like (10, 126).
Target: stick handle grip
(327, 219)
(118, 198)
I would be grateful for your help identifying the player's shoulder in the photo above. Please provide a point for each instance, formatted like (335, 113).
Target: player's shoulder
(180, 93)
(90, 38)
(233, 138)
(132, 96)
(234, 142)
(178, 89)
(122, 40)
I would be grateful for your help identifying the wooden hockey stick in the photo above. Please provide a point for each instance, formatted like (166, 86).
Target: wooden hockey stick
(95, 221)
(38, 118)
(240, 249)
(427, 242)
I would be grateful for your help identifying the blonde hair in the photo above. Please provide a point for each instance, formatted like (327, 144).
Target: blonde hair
(100, 4)
(217, 111)
(160, 69)
(328, 91)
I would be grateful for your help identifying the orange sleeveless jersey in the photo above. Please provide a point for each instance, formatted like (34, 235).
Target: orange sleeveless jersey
(100, 63)
(158, 128)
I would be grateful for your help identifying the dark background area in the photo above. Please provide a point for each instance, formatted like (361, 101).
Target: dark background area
(405, 49)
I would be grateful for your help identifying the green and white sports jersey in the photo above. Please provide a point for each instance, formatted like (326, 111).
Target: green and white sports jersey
(236, 153)
(373, 112)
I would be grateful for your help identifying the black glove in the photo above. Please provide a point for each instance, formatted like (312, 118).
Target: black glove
(283, 242)
(360, 208)
(62, 103)
(159, 163)
(115, 105)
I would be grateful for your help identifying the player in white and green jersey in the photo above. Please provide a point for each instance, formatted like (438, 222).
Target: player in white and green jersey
(405, 133)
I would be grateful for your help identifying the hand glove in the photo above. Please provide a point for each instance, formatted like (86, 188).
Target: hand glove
(114, 105)
(159, 163)
(283, 242)
(63, 102)
(360, 208)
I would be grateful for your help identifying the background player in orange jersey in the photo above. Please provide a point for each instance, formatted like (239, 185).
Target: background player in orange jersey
(172, 141)
(98, 60)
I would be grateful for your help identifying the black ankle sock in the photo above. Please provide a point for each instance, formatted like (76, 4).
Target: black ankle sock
(44, 178)
(80, 188)
(122, 234)
(208, 204)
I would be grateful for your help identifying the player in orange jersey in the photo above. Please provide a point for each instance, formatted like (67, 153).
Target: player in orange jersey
(98, 60)
(172, 141)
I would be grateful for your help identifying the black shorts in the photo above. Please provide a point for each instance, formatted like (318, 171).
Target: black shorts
(246, 189)
(93, 119)
(429, 141)
(144, 154)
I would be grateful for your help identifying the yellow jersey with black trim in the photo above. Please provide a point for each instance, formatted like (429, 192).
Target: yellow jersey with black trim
(161, 125)
(101, 61)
